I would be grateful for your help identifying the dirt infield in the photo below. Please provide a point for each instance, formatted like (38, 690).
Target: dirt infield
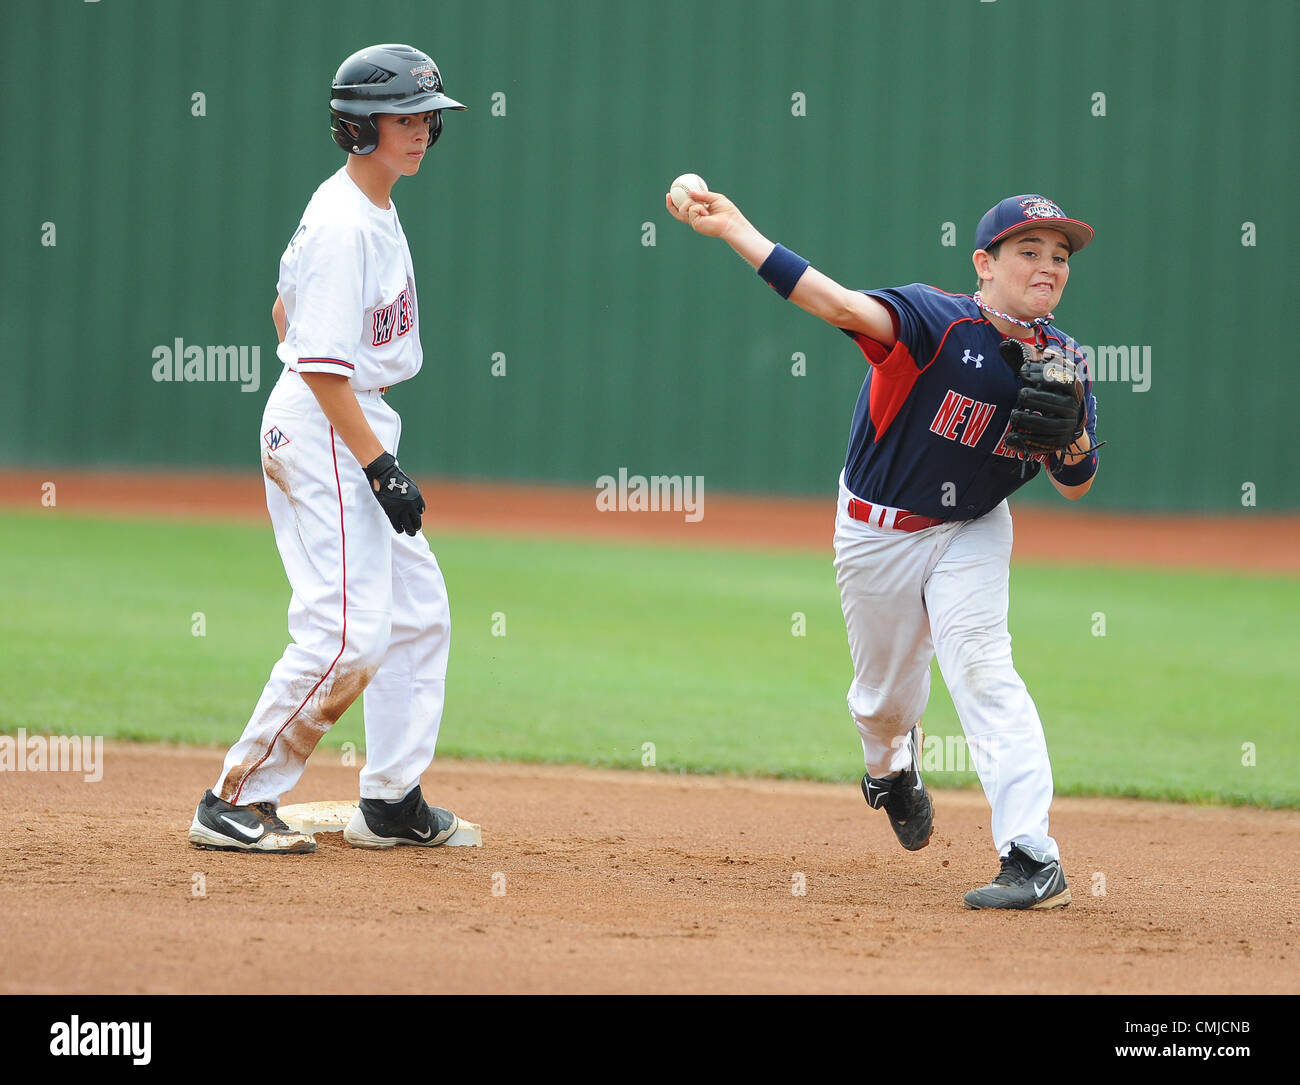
(628, 882)
(1251, 541)
(599, 881)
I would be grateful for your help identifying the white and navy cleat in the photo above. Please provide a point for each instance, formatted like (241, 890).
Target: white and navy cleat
(222, 826)
(410, 820)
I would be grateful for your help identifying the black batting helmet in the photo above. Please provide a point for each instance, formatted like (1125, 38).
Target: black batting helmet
(384, 79)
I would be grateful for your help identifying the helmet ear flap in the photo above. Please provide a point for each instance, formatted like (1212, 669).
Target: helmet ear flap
(356, 135)
(435, 127)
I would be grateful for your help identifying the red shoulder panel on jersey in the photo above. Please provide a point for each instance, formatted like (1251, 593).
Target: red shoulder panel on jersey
(892, 381)
(894, 373)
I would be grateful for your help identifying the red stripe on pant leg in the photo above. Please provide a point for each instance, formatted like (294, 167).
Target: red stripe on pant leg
(343, 542)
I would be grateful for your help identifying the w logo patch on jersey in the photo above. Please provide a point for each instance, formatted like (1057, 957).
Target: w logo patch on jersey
(275, 438)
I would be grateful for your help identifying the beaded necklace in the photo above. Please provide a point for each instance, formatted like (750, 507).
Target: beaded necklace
(1036, 326)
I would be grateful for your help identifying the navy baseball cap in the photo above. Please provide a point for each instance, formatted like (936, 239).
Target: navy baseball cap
(1016, 214)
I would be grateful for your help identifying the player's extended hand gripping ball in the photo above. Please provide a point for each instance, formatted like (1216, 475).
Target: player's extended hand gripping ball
(683, 186)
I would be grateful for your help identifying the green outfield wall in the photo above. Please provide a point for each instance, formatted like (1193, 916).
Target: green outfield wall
(158, 156)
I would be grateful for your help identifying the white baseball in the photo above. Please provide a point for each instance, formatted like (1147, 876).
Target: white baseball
(683, 186)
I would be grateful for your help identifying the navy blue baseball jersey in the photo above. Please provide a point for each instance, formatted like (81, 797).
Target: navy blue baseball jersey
(930, 422)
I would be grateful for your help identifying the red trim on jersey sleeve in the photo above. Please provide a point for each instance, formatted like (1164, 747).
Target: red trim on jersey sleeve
(948, 293)
(324, 361)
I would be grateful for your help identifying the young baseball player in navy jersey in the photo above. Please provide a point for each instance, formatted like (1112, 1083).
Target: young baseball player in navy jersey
(369, 608)
(923, 532)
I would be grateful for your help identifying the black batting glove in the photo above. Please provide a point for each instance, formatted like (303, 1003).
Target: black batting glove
(396, 493)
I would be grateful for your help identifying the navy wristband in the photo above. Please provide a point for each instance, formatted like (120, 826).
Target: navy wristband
(1079, 473)
(782, 270)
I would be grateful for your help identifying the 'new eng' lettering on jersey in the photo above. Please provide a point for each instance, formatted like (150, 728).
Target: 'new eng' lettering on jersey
(348, 290)
(928, 429)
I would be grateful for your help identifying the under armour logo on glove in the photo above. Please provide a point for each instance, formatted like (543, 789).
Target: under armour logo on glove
(397, 495)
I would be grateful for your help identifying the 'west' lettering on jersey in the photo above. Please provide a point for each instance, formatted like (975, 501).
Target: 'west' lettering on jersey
(398, 316)
(961, 418)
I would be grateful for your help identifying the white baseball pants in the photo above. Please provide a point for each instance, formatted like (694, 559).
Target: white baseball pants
(908, 597)
(368, 612)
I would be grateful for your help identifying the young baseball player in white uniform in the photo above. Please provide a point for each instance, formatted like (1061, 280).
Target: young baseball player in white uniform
(369, 613)
(923, 532)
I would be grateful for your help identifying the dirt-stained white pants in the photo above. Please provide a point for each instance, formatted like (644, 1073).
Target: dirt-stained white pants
(911, 596)
(368, 612)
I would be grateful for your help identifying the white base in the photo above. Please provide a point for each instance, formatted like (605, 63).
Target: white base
(331, 817)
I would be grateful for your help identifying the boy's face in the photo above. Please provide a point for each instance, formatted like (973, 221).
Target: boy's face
(1030, 272)
(404, 140)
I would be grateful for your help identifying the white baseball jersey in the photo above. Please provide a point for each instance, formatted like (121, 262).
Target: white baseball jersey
(348, 290)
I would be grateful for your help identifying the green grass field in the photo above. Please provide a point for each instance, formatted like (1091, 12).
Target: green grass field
(610, 647)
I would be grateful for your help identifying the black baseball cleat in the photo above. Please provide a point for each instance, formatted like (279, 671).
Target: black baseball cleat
(221, 826)
(905, 800)
(1029, 879)
(411, 820)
